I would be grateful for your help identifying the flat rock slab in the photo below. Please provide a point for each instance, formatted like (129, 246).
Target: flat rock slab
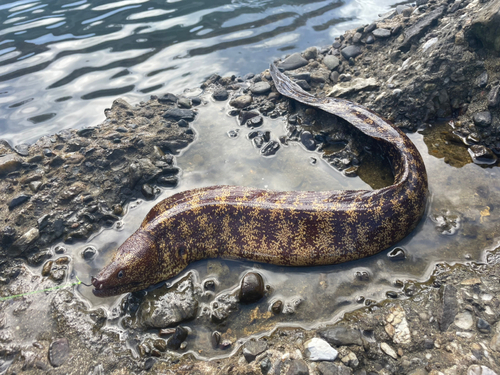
(58, 352)
(331, 61)
(342, 336)
(357, 84)
(351, 51)
(381, 33)
(180, 113)
(292, 62)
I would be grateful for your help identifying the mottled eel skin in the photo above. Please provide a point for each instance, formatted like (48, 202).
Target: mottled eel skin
(291, 228)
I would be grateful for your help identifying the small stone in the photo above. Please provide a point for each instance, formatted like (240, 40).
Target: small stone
(342, 336)
(241, 101)
(381, 33)
(448, 308)
(328, 368)
(331, 61)
(168, 98)
(252, 349)
(351, 51)
(370, 39)
(89, 253)
(9, 163)
(17, 201)
(220, 94)
(464, 320)
(293, 62)
(356, 38)
(148, 191)
(260, 88)
(149, 363)
(303, 84)
(307, 139)
(482, 119)
(311, 53)
(318, 349)
(334, 77)
(270, 149)
(483, 326)
(184, 103)
(255, 122)
(494, 96)
(35, 186)
(24, 242)
(22, 149)
(176, 340)
(298, 367)
(58, 352)
(265, 365)
(388, 350)
(180, 113)
(397, 254)
(252, 288)
(277, 307)
(482, 80)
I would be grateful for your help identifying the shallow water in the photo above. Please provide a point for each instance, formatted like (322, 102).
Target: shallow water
(62, 63)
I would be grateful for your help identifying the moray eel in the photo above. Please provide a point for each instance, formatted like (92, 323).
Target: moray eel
(289, 228)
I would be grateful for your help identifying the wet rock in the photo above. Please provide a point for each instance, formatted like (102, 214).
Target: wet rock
(483, 326)
(311, 53)
(494, 96)
(357, 84)
(317, 349)
(351, 51)
(180, 335)
(9, 163)
(270, 149)
(480, 370)
(168, 98)
(22, 149)
(357, 38)
(370, 39)
(485, 26)
(255, 122)
(307, 139)
(223, 306)
(149, 363)
(482, 154)
(448, 308)
(165, 307)
(58, 352)
(252, 288)
(184, 103)
(89, 253)
(265, 365)
(397, 254)
(331, 61)
(220, 94)
(252, 349)
(381, 33)
(142, 169)
(415, 31)
(7, 235)
(260, 88)
(387, 349)
(292, 62)
(24, 242)
(241, 101)
(482, 119)
(303, 84)
(277, 307)
(244, 116)
(482, 80)
(35, 186)
(298, 367)
(17, 201)
(148, 191)
(180, 113)
(342, 336)
(327, 368)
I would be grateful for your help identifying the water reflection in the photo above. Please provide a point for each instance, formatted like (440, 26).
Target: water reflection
(61, 64)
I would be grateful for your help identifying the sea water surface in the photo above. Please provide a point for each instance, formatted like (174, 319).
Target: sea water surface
(63, 62)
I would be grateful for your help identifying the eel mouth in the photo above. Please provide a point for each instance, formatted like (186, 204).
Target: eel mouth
(100, 290)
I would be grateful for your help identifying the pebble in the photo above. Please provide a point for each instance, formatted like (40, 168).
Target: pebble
(342, 336)
(331, 61)
(388, 350)
(265, 365)
(370, 39)
(482, 119)
(184, 103)
(148, 191)
(17, 201)
(252, 349)
(303, 84)
(397, 254)
(260, 88)
(464, 320)
(318, 349)
(58, 352)
(241, 101)
(255, 122)
(180, 113)
(89, 253)
(9, 163)
(483, 326)
(448, 308)
(176, 340)
(252, 288)
(168, 98)
(24, 242)
(220, 94)
(482, 80)
(307, 139)
(381, 33)
(293, 62)
(351, 51)
(494, 96)
(311, 53)
(270, 149)
(22, 149)
(356, 38)
(298, 367)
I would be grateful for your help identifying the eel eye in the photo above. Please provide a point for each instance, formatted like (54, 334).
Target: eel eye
(120, 274)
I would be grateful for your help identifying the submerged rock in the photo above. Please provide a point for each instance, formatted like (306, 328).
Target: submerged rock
(58, 352)
(252, 288)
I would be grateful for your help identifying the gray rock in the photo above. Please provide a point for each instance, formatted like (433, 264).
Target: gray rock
(356, 38)
(270, 149)
(303, 84)
(415, 31)
(166, 307)
(17, 201)
(252, 349)
(464, 320)
(357, 84)
(180, 113)
(482, 80)
(334, 77)
(307, 139)
(318, 349)
(24, 242)
(381, 33)
(331, 61)
(142, 169)
(448, 307)
(184, 103)
(241, 101)
(483, 326)
(265, 365)
(252, 287)
(311, 53)
(180, 335)
(292, 62)
(9, 163)
(260, 88)
(370, 27)
(494, 96)
(326, 368)
(58, 351)
(148, 191)
(351, 51)
(401, 8)
(482, 119)
(304, 76)
(370, 39)
(485, 25)
(342, 336)
(22, 149)
(168, 99)
(220, 94)
(298, 367)
(480, 370)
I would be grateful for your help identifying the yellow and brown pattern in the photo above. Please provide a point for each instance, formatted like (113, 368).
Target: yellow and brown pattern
(302, 228)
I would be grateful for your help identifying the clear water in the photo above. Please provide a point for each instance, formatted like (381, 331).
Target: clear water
(63, 62)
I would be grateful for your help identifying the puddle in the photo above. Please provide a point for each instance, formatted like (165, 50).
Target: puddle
(461, 221)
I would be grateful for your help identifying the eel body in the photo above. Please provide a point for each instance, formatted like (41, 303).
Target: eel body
(291, 228)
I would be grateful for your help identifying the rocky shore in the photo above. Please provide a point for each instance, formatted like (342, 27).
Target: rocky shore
(432, 61)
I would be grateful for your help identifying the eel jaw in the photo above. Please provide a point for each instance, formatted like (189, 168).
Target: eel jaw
(101, 291)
